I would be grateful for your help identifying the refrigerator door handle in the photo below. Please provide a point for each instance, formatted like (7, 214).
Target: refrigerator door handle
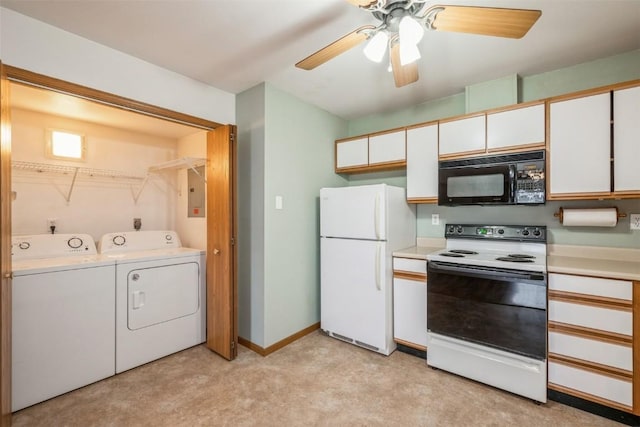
(378, 264)
(376, 216)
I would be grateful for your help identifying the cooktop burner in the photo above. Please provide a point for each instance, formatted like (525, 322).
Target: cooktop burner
(515, 259)
(520, 256)
(453, 255)
(463, 252)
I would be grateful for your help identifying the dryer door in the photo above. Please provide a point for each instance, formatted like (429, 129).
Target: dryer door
(161, 294)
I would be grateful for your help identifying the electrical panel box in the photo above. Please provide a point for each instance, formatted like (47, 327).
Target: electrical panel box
(197, 192)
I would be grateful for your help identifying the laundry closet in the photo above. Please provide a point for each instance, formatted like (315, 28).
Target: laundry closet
(131, 169)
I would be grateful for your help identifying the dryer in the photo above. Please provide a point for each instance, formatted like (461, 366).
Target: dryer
(160, 295)
(63, 317)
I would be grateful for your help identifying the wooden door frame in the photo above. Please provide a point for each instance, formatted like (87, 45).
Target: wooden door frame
(18, 75)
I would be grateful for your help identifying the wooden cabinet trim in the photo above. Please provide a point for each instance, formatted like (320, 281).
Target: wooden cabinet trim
(590, 333)
(384, 132)
(636, 347)
(590, 397)
(591, 300)
(410, 275)
(594, 91)
(377, 167)
(462, 154)
(579, 196)
(351, 138)
(422, 200)
(517, 148)
(422, 125)
(596, 368)
(462, 117)
(411, 344)
(514, 106)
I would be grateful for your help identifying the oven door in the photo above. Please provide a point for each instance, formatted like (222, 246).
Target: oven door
(500, 308)
(473, 185)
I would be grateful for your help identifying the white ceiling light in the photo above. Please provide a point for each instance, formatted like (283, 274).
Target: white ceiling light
(410, 30)
(377, 46)
(408, 53)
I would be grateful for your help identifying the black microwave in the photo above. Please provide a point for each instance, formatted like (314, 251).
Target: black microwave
(509, 179)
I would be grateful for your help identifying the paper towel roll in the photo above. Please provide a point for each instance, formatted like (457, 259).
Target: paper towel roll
(601, 217)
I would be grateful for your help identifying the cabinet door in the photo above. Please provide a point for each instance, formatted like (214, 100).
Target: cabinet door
(387, 147)
(626, 149)
(579, 143)
(463, 135)
(410, 311)
(352, 153)
(422, 163)
(517, 127)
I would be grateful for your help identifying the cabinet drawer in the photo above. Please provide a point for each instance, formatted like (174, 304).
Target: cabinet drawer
(411, 265)
(610, 288)
(602, 386)
(604, 353)
(605, 319)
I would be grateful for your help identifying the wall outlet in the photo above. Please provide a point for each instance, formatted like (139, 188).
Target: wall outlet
(634, 221)
(435, 219)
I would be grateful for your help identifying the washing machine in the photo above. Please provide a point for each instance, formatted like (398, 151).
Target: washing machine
(63, 316)
(160, 295)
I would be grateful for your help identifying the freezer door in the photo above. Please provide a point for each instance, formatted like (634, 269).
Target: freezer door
(353, 212)
(355, 292)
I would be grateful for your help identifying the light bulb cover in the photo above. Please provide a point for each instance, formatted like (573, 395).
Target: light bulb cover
(410, 30)
(409, 53)
(377, 46)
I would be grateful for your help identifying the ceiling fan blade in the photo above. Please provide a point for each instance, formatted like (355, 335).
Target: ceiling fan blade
(339, 46)
(488, 21)
(362, 3)
(402, 74)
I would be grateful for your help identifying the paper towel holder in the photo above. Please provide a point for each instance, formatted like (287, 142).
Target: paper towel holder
(560, 213)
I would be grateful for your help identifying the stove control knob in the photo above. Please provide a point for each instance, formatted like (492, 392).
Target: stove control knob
(536, 232)
(500, 231)
(74, 242)
(451, 229)
(118, 240)
(24, 245)
(459, 229)
(525, 232)
(168, 237)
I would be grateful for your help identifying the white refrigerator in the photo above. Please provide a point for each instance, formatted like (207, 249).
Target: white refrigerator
(360, 227)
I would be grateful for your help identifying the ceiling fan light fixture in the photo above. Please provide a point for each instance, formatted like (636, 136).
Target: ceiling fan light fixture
(409, 53)
(377, 46)
(410, 30)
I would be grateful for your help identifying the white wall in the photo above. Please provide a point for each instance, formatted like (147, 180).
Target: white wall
(35, 46)
(97, 205)
(192, 230)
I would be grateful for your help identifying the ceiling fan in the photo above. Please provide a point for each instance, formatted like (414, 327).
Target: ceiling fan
(402, 25)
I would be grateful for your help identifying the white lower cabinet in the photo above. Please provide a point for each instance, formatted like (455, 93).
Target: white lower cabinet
(591, 339)
(410, 302)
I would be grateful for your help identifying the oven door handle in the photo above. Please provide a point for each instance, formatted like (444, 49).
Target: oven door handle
(436, 266)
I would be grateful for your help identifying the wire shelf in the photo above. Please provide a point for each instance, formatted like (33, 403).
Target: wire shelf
(72, 170)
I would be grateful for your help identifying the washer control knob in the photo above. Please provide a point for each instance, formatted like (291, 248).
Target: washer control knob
(168, 237)
(118, 240)
(74, 242)
(24, 245)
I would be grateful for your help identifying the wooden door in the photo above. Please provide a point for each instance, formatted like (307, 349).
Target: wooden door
(5, 251)
(222, 295)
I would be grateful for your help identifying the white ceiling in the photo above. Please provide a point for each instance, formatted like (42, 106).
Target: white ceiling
(236, 44)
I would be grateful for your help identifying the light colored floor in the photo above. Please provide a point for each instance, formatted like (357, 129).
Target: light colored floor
(317, 380)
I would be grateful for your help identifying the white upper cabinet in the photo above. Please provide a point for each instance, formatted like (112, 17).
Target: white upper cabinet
(422, 163)
(517, 127)
(579, 141)
(465, 135)
(352, 153)
(626, 139)
(387, 147)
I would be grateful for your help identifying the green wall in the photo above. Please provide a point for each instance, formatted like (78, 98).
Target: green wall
(282, 152)
(601, 72)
